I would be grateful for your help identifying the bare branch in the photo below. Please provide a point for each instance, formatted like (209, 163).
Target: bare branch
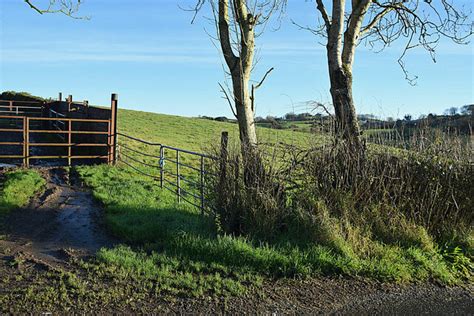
(375, 20)
(66, 7)
(322, 9)
(264, 77)
(226, 96)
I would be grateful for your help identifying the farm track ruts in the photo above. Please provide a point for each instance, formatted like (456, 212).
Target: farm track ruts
(64, 224)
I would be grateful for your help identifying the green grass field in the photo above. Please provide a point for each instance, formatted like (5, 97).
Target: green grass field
(196, 134)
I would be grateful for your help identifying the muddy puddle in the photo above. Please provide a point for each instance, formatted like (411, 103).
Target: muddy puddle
(64, 218)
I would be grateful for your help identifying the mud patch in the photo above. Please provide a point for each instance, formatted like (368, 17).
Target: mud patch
(64, 218)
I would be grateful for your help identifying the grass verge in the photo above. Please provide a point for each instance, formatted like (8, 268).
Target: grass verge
(183, 252)
(19, 187)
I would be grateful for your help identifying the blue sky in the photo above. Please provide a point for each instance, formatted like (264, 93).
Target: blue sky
(148, 52)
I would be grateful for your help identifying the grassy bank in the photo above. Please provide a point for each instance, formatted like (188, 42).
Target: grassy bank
(188, 254)
(18, 188)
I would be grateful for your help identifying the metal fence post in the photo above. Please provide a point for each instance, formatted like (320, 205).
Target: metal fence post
(109, 142)
(69, 150)
(202, 186)
(113, 129)
(162, 165)
(178, 178)
(27, 141)
(25, 136)
(86, 107)
(69, 102)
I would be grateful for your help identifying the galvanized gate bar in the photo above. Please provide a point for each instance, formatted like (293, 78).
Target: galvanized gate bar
(194, 190)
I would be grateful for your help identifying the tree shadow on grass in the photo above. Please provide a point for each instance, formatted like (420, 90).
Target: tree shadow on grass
(192, 238)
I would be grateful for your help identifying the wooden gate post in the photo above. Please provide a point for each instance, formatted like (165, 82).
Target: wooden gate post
(113, 127)
(202, 184)
(223, 158)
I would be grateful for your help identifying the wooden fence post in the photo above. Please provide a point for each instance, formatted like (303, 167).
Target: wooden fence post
(224, 145)
(113, 126)
(60, 97)
(223, 158)
(202, 186)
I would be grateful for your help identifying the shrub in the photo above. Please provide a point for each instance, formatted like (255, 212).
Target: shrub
(359, 205)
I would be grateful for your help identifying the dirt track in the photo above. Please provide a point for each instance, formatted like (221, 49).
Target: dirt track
(64, 217)
(46, 239)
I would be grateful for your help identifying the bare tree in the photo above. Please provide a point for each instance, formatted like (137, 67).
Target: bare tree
(238, 24)
(452, 111)
(66, 7)
(377, 24)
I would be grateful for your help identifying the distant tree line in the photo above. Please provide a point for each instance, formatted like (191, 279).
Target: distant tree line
(460, 119)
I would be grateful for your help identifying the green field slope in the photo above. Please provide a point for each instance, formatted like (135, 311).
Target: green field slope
(195, 133)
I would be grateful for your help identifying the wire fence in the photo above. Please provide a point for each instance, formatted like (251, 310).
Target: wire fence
(183, 172)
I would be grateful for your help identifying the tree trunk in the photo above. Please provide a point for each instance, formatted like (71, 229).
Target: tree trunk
(340, 66)
(245, 113)
(347, 125)
(253, 167)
